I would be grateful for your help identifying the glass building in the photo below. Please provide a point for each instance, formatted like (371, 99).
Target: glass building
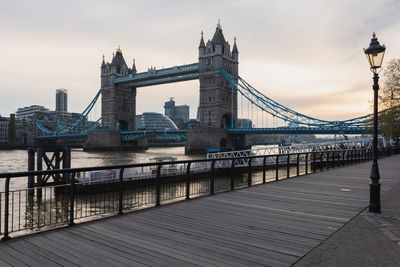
(157, 121)
(154, 121)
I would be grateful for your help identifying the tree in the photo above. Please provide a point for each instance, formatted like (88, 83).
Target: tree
(390, 100)
(12, 129)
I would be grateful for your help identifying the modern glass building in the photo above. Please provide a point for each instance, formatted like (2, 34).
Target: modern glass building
(157, 121)
(154, 121)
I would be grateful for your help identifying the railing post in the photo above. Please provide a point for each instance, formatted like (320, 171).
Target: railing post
(277, 168)
(6, 209)
(72, 199)
(31, 167)
(327, 160)
(337, 159)
(264, 168)
(307, 163)
(343, 155)
(212, 177)
(321, 161)
(297, 165)
(158, 186)
(288, 166)
(188, 181)
(39, 167)
(121, 192)
(249, 178)
(314, 166)
(233, 175)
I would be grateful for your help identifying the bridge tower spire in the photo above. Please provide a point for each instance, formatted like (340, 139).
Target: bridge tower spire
(118, 105)
(218, 99)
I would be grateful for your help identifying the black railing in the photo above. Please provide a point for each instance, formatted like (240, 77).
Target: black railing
(137, 186)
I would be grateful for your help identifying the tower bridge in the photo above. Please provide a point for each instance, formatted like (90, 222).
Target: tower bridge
(220, 86)
(218, 99)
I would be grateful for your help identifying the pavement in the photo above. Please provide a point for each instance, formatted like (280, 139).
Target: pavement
(369, 239)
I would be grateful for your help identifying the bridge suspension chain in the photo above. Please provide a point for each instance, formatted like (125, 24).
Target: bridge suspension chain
(73, 126)
(278, 111)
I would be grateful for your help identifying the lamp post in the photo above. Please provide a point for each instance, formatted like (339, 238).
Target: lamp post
(375, 53)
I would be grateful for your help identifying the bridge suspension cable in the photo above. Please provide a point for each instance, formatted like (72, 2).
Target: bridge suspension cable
(261, 101)
(72, 127)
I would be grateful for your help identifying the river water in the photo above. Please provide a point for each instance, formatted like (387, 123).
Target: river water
(17, 160)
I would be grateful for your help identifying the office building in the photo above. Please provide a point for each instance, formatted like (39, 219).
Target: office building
(244, 123)
(178, 114)
(25, 113)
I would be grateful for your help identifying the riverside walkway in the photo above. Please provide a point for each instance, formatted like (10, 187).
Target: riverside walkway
(316, 219)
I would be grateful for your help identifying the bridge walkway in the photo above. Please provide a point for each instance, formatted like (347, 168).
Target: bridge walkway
(273, 224)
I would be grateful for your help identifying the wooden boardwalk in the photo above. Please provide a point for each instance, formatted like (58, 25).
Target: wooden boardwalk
(273, 224)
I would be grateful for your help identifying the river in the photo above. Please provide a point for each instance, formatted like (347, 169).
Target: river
(17, 160)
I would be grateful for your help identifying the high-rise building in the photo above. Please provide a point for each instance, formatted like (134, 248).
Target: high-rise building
(4, 122)
(169, 108)
(181, 116)
(178, 114)
(61, 100)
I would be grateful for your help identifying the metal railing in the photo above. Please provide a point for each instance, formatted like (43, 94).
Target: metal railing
(124, 188)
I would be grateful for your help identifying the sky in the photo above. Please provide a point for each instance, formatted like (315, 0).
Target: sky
(306, 55)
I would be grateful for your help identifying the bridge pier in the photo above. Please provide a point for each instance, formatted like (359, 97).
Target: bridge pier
(200, 139)
(53, 161)
(109, 141)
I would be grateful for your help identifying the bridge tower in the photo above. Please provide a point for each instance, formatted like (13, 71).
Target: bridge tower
(118, 107)
(218, 99)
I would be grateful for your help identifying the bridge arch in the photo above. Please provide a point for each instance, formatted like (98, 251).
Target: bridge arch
(226, 121)
(123, 125)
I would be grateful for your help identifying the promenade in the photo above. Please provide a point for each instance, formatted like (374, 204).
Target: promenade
(312, 220)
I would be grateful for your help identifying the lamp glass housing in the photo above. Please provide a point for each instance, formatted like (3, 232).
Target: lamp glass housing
(375, 59)
(375, 53)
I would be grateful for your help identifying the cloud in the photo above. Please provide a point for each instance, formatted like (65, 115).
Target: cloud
(305, 54)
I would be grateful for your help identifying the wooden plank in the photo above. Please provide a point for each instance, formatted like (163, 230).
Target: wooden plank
(26, 249)
(10, 259)
(26, 258)
(190, 252)
(137, 254)
(54, 247)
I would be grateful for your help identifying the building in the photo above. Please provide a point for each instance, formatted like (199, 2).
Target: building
(178, 114)
(53, 120)
(169, 108)
(4, 122)
(244, 123)
(157, 121)
(61, 100)
(154, 121)
(25, 113)
(181, 116)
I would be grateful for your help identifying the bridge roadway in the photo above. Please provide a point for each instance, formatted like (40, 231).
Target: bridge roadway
(272, 224)
(131, 135)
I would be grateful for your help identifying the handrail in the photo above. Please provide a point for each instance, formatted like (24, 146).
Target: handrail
(136, 165)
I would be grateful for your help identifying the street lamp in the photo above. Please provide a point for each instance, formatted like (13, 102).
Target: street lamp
(375, 53)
